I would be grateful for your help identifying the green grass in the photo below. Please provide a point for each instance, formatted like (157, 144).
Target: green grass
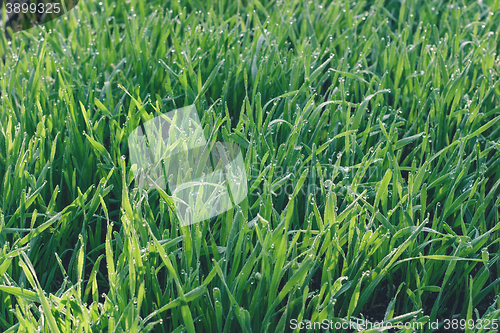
(371, 138)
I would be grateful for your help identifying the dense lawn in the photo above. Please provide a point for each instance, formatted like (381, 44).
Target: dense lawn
(371, 136)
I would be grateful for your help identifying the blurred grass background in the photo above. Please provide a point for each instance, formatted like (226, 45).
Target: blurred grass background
(371, 140)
